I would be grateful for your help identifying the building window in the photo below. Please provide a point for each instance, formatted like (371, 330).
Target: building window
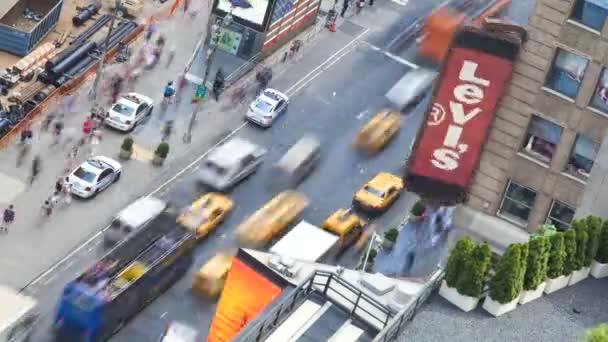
(560, 215)
(599, 100)
(566, 73)
(591, 13)
(517, 202)
(582, 157)
(541, 139)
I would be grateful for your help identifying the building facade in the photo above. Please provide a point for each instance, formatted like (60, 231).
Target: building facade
(549, 125)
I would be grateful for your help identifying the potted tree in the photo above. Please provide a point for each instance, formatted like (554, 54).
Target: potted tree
(594, 228)
(455, 265)
(471, 279)
(371, 259)
(555, 266)
(161, 153)
(580, 272)
(507, 282)
(417, 211)
(390, 237)
(536, 269)
(599, 265)
(126, 149)
(570, 256)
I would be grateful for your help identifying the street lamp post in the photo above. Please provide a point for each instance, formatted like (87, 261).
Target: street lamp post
(100, 66)
(217, 35)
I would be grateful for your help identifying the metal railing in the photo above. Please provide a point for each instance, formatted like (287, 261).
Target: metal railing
(319, 283)
(397, 324)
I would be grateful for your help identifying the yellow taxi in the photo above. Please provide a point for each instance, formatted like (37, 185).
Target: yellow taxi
(271, 219)
(210, 279)
(347, 225)
(378, 131)
(205, 213)
(379, 193)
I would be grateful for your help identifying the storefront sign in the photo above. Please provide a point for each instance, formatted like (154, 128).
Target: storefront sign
(230, 41)
(458, 120)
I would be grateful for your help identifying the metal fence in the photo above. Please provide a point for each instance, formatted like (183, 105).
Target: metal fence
(321, 283)
(397, 324)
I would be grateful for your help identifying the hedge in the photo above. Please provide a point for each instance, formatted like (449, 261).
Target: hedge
(536, 265)
(570, 247)
(557, 254)
(594, 227)
(476, 263)
(505, 285)
(581, 244)
(523, 266)
(599, 333)
(602, 252)
(454, 267)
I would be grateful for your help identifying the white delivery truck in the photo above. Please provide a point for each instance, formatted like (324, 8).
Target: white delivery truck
(308, 243)
(18, 313)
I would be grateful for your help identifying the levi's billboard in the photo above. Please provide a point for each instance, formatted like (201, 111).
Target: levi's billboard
(447, 150)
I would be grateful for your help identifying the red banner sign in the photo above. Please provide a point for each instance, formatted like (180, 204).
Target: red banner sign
(458, 120)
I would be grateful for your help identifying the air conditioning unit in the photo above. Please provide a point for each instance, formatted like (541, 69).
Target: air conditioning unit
(285, 266)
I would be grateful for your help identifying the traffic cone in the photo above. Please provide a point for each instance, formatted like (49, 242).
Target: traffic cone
(332, 27)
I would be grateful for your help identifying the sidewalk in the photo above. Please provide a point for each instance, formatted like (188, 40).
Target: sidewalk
(33, 245)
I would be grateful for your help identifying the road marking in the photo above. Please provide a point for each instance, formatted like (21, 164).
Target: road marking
(298, 84)
(362, 114)
(393, 56)
(401, 2)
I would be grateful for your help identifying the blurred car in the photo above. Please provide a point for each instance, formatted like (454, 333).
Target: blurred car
(230, 163)
(346, 224)
(409, 91)
(378, 131)
(267, 107)
(297, 163)
(210, 279)
(379, 193)
(93, 176)
(129, 111)
(205, 213)
(271, 219)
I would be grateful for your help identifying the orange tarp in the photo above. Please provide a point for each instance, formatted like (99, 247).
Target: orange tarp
(245, 294)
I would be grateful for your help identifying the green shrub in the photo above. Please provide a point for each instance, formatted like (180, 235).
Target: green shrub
(523, 266)
(582, 238)
(546, 230)
(602, 251)
(557, 254)
(594, 227)
(570, 247)
(162, 150)
(127, 144)
(476, 263)
(418, 208)
(599, 333)
(504, 285)
(456, 261)
(372, 255)
(391, 234)
(536, 263)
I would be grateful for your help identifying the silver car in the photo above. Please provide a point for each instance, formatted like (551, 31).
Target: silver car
(230, 163)
(409, 91)
(269, 105)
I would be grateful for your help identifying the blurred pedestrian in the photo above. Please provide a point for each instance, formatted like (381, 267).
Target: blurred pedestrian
(57, 129)
(171, 55)
(46, 123)
(96, 137)
(47, 208)
(345, 5)
(67, 194)
(7, 219)
(151, 29)
(35, 170)
(26, 132)
(87, 126)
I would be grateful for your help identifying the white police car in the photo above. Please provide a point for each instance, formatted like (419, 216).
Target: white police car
(129, 111)
(93, 176)
(267, 107)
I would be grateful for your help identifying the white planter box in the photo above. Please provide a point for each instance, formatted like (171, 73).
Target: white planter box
(556, 284)
(579, 275)
(599, 270)
(496, 309)
(464, 303)
(528, 296)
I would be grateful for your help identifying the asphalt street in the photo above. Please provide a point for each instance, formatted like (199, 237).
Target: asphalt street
(333, 90)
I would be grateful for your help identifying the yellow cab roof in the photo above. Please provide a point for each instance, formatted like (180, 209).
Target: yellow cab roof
(340, 223)
(259, 220)
(384, 180)
(384, 116)
(216, 266)
(213, 200)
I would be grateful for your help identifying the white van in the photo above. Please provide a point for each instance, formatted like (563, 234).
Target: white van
(132, 218)
(18, 314)
(297, 163)
(411, 88)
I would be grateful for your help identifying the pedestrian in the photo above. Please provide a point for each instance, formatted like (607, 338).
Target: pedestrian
(26, 133)
(59, 184)
(57, 129)
(151, 29)
(96, 138)
(87, 126)
(7, 219)
(55, 198)
(171, 56)
(46, 123)
(168, 92)
(67, 194)
(47, 208)
(345, 4)
(35, 171)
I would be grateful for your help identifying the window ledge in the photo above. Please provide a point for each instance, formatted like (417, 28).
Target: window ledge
(597, 111)
(558, 94)
(513, 221)
(532, 159)
(574, 178)
(583, 26)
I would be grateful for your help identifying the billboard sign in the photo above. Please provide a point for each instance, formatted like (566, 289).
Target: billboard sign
(459, 117)
(255, 17)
